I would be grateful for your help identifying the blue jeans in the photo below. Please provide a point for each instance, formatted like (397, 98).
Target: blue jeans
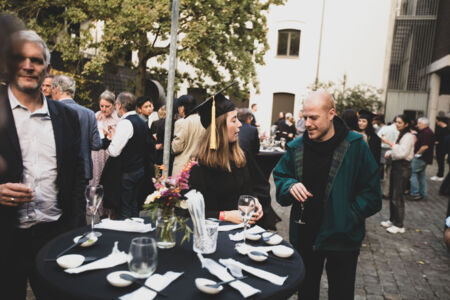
(418, 178)
(130, 182)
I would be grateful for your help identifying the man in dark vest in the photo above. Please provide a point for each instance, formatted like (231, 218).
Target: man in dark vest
(130, 145)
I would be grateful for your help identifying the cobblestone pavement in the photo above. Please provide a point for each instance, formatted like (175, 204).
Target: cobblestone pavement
(413, 265)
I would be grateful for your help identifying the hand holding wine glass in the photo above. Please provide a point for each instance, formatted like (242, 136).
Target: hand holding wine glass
(246, 207)
(300, 193)
(94, 196)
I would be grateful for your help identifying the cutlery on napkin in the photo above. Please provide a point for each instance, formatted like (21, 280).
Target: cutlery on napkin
(239, 236)
(275, 279)
(157, 282)
(114, 259)
(128, 225)
(221, 272)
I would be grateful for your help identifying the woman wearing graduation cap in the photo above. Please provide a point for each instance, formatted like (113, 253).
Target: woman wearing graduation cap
(365, 127)
(222, 173)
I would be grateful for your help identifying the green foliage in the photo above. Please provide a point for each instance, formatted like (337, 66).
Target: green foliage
(221, 40)
(361, 96)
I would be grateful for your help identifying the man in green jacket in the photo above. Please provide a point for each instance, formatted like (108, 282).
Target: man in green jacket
(331, 180)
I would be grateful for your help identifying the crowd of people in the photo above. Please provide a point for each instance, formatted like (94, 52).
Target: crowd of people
(329, 175)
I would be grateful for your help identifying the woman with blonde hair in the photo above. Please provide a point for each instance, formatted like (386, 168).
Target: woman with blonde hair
(222, 173)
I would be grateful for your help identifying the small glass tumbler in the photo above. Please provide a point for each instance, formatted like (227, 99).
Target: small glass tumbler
(143, 257)
(208, 243)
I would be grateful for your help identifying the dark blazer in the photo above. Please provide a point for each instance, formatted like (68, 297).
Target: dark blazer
(69, 166)
(249, 139)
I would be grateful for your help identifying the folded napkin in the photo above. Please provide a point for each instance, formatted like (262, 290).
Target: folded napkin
(275, 279)
(230, 227)
(157, 282)
(128, 225)
(221, 273)
(114, 259)
(239, 236)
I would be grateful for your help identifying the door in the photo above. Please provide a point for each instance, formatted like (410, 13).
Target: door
(282, 102)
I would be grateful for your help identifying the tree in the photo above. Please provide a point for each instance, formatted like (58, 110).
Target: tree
(221, 40)
(361, 96)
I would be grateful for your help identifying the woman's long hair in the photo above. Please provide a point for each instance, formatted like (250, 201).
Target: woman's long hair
(226, 151)
(405, 130)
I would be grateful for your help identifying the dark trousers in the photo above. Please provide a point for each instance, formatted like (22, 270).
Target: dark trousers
(20, 266)
(400, 174)
(129, 197)
(341, 271)
(440, 158)
(444, 189)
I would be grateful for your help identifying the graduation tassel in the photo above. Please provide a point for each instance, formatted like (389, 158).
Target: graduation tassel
(212, 142)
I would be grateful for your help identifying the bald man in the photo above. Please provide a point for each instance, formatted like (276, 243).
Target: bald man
(330, 178)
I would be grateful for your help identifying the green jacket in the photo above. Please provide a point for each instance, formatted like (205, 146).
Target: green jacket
(352, 193)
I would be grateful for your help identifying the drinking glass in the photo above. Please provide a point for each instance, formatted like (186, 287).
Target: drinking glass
(30, 214)
(246, 207)
(143, 257)
(300, 219)
(283, 142)
(94, 196)
(208, 243)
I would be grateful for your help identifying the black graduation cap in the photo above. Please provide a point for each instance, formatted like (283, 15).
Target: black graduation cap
(365, 114)
(212, 108)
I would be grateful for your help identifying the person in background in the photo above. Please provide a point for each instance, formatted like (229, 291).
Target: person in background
(129, 147)
(157, 131)
(442, 132)
(222, 173)
(187, 135)
(365, 127)
(279, 125)
(389, 133)
(63, 90)
(300, 125)
(41, 191)
(254, 112)
(248, 134)
(444, 189)
(107, 120)
(47, 86)
(331, 180)
(378, 123)
(423, 156)
(145, 110)
(401, 154)
(286, 128)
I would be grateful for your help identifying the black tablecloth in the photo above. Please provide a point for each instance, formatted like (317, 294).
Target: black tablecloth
(93, 284)
(267, 161)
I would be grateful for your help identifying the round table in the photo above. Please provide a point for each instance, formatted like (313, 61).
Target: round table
(267, 160)
(93, 284)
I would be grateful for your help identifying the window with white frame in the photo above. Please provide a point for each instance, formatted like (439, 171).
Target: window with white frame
(288, 42)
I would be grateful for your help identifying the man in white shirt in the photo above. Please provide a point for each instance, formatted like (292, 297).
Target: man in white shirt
(390, 133)
(131, 146)
(41, 189)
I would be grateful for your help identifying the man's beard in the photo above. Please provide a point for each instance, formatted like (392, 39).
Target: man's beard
(30, 90)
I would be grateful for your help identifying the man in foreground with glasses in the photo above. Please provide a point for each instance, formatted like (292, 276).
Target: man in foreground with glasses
(41, 189)
(331, 179)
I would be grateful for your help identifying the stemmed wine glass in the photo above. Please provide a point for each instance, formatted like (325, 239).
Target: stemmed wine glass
(30, 215)
(94, 196)
(300, 219)
(246, 207)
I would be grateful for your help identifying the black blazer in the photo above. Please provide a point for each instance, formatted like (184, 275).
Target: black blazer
(249, 139)
(70, 168)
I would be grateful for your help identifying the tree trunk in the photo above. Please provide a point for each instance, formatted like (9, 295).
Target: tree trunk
(140, 75)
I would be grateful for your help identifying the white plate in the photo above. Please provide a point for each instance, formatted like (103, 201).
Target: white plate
(258, 258)
(274, 240)
(282, 251)
(92, 240)
(70, 261)
(115, 280)
(252, 237)
(201, 285)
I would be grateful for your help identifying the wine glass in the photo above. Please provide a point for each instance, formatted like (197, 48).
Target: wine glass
(283, 143)
(142, 257)
(300, 219)
(246, 207)
(94, 196)
(30, 213)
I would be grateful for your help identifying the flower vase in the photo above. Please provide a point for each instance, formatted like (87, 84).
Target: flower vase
(166, 225)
